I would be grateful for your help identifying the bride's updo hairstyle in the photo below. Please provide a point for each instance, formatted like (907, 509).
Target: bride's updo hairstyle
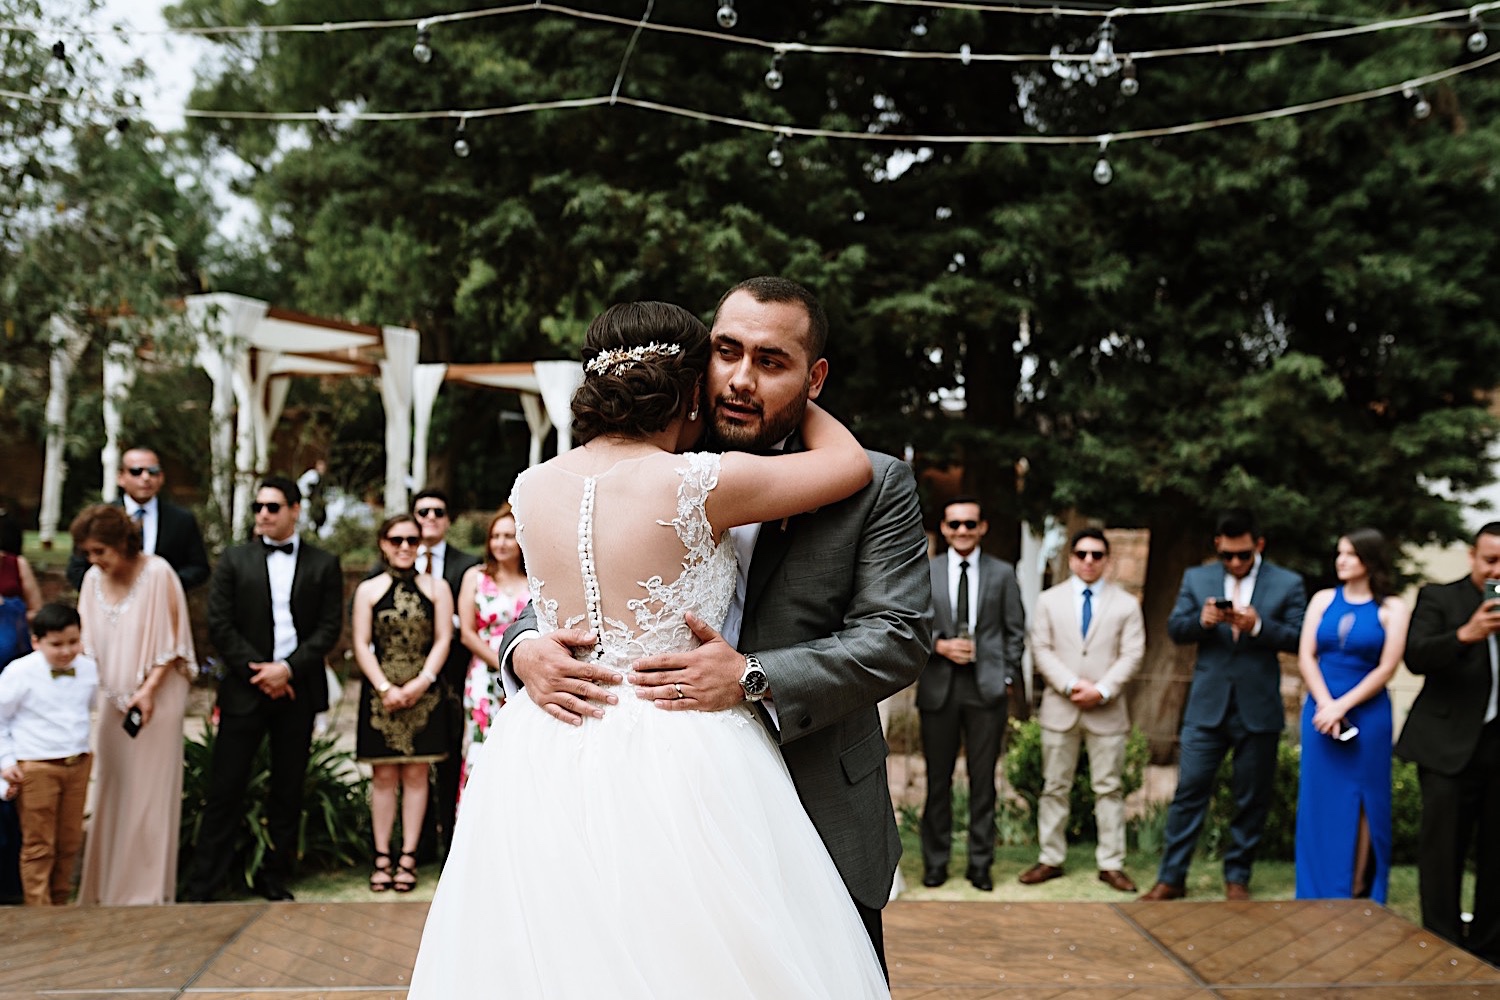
(640, 363)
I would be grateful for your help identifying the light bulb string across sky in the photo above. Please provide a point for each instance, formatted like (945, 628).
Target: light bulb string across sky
(1404, 87)
(426, 24)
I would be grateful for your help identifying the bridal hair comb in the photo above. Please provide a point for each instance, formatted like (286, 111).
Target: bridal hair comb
(617, 359)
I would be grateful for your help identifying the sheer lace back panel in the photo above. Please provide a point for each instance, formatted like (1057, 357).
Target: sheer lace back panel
(625, 553)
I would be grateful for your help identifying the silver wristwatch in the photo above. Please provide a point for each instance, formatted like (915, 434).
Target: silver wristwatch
(754, 680)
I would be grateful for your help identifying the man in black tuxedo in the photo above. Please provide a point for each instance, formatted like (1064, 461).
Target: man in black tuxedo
(436, 556)
(275, 610)
(167, 530)
(1453, 736)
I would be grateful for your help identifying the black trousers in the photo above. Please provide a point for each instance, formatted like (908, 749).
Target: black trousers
(875, 927)
(966, 719)
(1454, 809)
(442, 797)
(289, 728)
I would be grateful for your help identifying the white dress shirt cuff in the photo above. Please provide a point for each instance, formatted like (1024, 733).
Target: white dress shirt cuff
(508, 678)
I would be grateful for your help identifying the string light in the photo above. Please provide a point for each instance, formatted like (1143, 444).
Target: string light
(965, 54)
(776, 157)
(1420, 109)
(1104, 61)
(1103, 172)
(774, 79)
(727, 16)
(422, 50)
(461, 147)
(1129, 85)
(1477, 41)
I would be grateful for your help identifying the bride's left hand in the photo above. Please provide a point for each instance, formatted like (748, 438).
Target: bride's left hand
(709, 675)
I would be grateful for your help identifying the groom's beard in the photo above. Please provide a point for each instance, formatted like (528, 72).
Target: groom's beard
(758, 439)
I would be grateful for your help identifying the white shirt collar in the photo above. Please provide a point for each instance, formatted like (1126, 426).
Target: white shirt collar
(131, 506)
(1079, 585)
(954, 559)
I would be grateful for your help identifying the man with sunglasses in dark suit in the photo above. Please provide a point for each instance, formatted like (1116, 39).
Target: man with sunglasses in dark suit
(275, 610)
(1241, 612)
(167, 530)
(979, 629)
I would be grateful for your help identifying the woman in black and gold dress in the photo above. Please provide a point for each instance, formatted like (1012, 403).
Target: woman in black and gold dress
(408, 617)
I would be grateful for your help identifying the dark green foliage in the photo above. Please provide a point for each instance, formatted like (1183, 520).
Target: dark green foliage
(1023, 769)
(335, 831)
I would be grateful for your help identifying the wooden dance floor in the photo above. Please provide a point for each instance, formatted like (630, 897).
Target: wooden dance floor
(938, 951)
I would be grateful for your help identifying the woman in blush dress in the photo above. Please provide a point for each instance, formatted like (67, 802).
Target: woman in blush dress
(402, 624)
(1352, 640)
(490, 597)
(135, 626)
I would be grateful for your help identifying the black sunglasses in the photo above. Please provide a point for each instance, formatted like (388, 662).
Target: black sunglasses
(271, 505)
(432, 512)
(144, 470)
(400, 540)
(1090, 554)
(955, 525)
(1243, 556)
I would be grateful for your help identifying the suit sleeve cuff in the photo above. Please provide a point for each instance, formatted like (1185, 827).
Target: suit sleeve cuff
(508, 678)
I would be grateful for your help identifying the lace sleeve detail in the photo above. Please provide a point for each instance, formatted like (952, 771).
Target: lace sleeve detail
(699, 477)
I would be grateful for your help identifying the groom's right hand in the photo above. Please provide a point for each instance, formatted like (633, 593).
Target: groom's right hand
(565, 688)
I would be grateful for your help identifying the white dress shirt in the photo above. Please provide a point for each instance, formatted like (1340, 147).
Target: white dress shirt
(438, 554)
(1094, 590)
(44, 717)
(1247, 589)
(149, 523)
(281, 568)
(953, 574)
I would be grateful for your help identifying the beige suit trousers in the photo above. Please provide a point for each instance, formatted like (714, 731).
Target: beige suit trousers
(1059, 764)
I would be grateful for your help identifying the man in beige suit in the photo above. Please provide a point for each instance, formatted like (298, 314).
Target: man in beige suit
(1087, 639)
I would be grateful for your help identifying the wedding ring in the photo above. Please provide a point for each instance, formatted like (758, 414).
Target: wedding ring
(678, 688)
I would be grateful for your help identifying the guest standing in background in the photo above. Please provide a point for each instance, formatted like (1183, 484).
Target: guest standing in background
(492, 595)
(135, 627)
(1352, 641)
(275, 609)
(167, 530)
(402, 627)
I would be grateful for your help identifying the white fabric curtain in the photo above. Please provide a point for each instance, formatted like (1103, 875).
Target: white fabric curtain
(558, 380)
(397, 385)
(426, 383)
(224, 324)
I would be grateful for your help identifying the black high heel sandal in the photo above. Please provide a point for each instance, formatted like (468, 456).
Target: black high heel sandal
(382, 877)
(402, 868)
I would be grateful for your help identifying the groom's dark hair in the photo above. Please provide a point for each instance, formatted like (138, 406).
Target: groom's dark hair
(640, 393)
(773, 288)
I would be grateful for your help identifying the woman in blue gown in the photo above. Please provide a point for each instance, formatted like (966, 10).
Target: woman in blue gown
(1352, 640)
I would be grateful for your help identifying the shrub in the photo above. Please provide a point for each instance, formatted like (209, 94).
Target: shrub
(1023, 769)
(335, 828)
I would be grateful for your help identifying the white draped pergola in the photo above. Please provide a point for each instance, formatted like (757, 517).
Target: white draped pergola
(250, 351)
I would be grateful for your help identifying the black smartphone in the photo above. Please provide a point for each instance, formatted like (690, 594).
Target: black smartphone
(1491, 590)
(1223, 604)
(132, 724)
(1347, 732)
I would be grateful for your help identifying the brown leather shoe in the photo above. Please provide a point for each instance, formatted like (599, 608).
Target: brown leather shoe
(1117, 879)
(1161, 891)
(1037, 874)
(1237, 892)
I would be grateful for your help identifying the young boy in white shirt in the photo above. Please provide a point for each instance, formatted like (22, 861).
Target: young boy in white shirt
(45, 698)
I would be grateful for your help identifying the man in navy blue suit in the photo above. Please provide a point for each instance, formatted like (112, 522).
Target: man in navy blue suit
(1240, 613)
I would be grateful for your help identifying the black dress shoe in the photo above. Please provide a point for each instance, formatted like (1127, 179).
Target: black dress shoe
(273, 889)
(934, 877)
(981, 880)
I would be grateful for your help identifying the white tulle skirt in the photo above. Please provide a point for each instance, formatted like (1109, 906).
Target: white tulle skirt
(649, 854)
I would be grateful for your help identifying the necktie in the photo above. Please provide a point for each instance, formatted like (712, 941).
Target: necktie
(286, 547)
(1234, 599)
(426, 567)
(64, 672)
(139, 515)
(961, 613)
(1088, 610)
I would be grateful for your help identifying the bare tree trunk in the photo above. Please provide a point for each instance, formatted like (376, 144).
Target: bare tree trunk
(1159, 692)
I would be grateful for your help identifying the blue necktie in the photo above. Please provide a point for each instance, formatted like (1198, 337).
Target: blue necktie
(1088, 610)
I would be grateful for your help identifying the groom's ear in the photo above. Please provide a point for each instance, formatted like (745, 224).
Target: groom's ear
(815, 377)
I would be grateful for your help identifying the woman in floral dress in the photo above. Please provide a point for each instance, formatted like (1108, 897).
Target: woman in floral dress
(491, 596)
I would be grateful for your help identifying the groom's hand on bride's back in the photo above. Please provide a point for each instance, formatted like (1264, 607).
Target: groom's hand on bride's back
(565, 688)
(704, 679)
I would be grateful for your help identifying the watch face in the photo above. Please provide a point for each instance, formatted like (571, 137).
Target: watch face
(755, 682)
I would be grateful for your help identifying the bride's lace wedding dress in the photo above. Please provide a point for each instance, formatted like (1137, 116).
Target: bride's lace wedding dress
(648, 854)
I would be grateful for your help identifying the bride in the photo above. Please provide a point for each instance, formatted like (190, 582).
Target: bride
(546, 878)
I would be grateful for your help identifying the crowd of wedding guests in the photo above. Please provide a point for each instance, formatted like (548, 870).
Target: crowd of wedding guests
(101, 696)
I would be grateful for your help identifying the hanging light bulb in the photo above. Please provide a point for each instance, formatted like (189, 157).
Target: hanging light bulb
(774, 79)
(776, 157)
(1477, 41)
(1103, 172)
(461, 147)
(422, 50)
(727, 16)
(964, 53)
(1104, 59)
(1129, 85)
(1420, 109)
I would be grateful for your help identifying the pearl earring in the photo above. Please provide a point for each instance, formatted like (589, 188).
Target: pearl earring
(694, 414)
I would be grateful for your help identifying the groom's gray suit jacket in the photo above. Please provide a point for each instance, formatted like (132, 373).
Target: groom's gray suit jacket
(838, 607)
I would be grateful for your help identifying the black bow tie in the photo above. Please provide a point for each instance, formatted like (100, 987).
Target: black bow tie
(286, 547)
(64, 672)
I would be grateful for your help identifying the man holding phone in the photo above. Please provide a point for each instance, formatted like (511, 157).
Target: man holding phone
(1453, 736)
(1241, 614)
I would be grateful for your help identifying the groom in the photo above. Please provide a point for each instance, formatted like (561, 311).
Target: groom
(832, 610)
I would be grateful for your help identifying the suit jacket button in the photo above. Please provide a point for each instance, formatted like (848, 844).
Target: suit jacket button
(804, 722)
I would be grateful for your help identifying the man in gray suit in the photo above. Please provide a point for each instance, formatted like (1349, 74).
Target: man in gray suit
(1241, 612)
(961, 698)
(832, 611)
